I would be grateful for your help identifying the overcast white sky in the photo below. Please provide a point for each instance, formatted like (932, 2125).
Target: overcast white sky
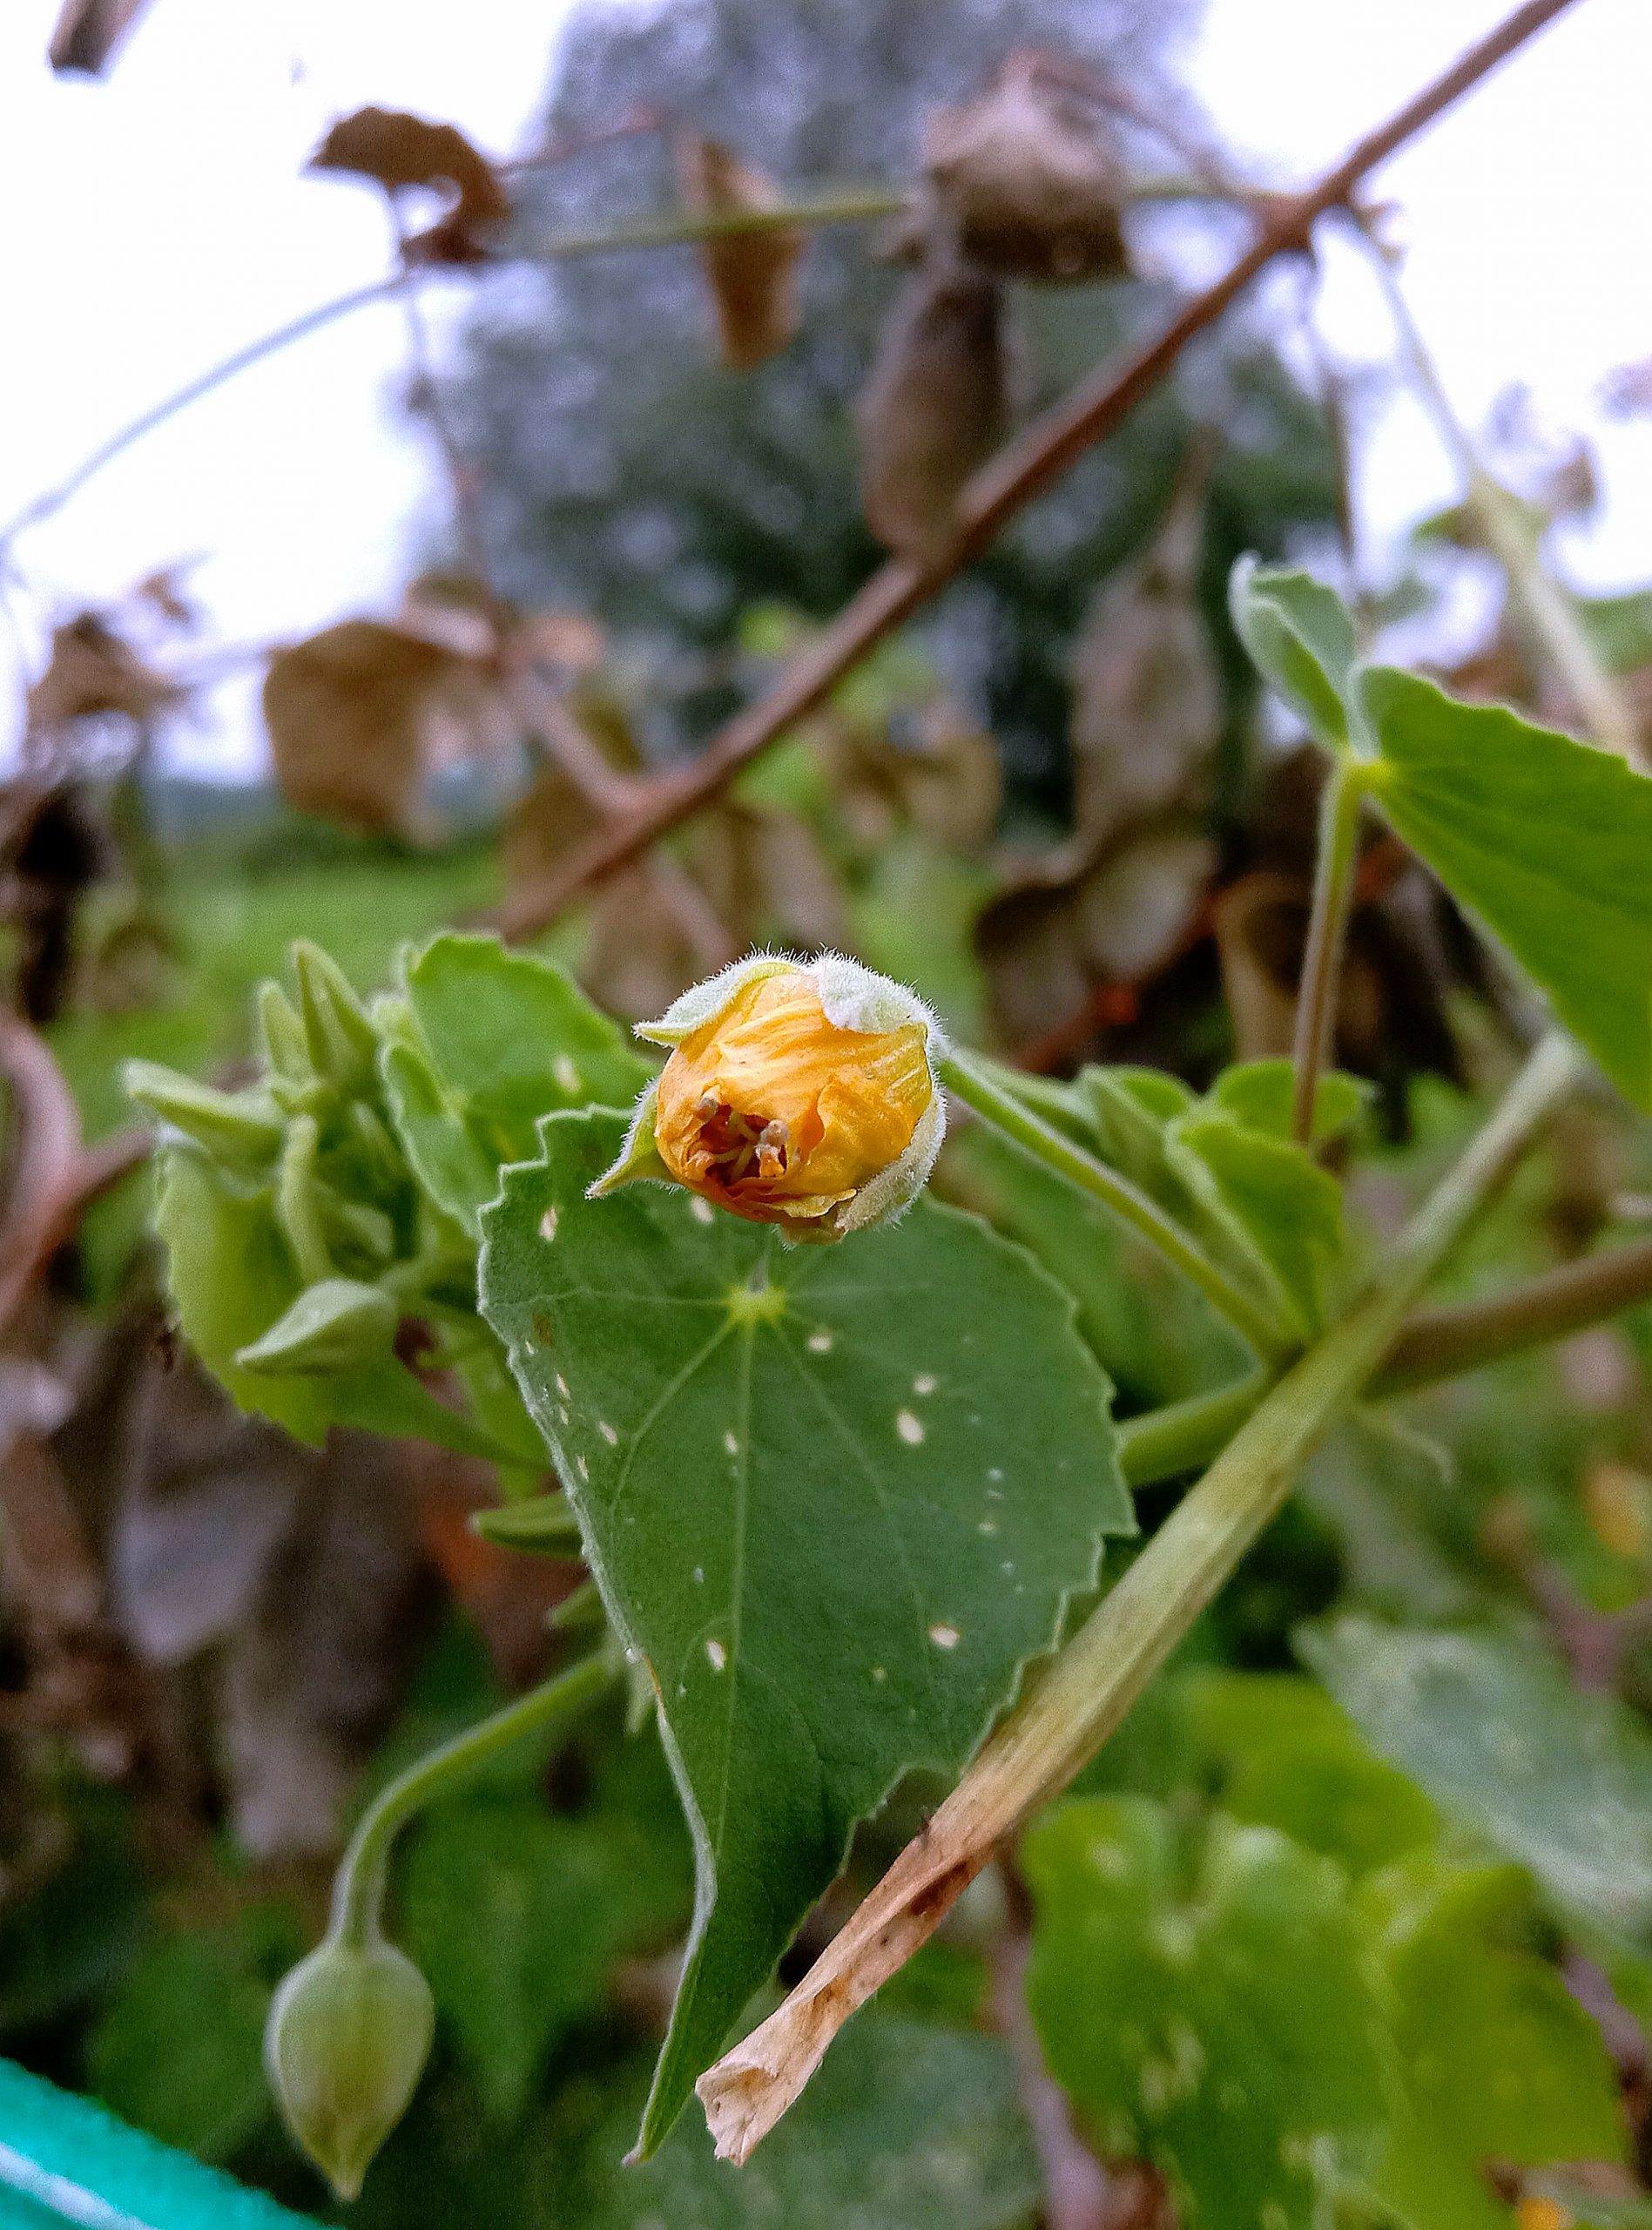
(158, 220)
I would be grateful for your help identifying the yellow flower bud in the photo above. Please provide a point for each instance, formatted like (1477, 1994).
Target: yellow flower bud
(799, 1095)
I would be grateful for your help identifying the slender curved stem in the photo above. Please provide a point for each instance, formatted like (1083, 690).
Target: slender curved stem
(974, 1084)
(358, 1887)
(1333, 882)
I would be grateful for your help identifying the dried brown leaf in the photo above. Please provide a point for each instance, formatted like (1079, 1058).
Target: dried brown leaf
(92, 670)
(399, 151)
(1088, 918)
(87, 32)
(360, 714)
(768, 880)
(933, 408)
(942, 778)
(1029, 183)
(1261, 926)
(752, 274)
(653, 932)
(1147, 695)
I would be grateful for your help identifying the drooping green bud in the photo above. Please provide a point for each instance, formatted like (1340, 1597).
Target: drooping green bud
(337, 1324)
(234, 1126)
(347, 2038)
(341, 1041)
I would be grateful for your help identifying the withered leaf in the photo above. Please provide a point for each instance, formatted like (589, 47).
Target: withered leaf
(93, 669)
(1146, 697)
(359, 715)
(399, 150)
(752, 274)
(86, 33)
(1029, 183)
(767, 878)
(1087, 917)
(933, 408)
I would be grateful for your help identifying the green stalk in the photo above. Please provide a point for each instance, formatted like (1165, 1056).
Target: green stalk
(1088, 1687)
(1333, 882)
(973, 1082)
(358, 1887)
(1097, 1678)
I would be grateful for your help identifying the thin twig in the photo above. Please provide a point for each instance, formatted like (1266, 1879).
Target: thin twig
(1021, 471)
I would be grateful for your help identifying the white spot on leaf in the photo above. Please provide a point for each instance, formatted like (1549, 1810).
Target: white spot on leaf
(924, 1383)
(731, 1443)
(909, 1429)
(702, 1210)
(568, 1077)
(819, 1343)
(607, 1433)
(944, 1636)
(717, 1654)
(562, 1386)
(547, 1222)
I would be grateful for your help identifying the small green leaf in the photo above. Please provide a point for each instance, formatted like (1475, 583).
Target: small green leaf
(1498, 2059)
(1227, 2028)
(232, 1273)
(1558, 1780)
(1300, 639)
(498, 1039)
(240, 1126)
(1270, 1197)
(334, 1326)
(1292, 1760)
(1259, 1093)
(1545, 840)
(457, 1173)
(817, 1502)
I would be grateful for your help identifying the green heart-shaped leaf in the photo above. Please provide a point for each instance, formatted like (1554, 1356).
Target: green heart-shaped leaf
(834, 1499)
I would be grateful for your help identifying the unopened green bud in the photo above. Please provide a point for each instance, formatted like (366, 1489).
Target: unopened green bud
(341, 1041)
(337, 1324)
(358, 1225)
(544, 1523)
(347, 2038)
(281, 1038)
(233, 1125)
